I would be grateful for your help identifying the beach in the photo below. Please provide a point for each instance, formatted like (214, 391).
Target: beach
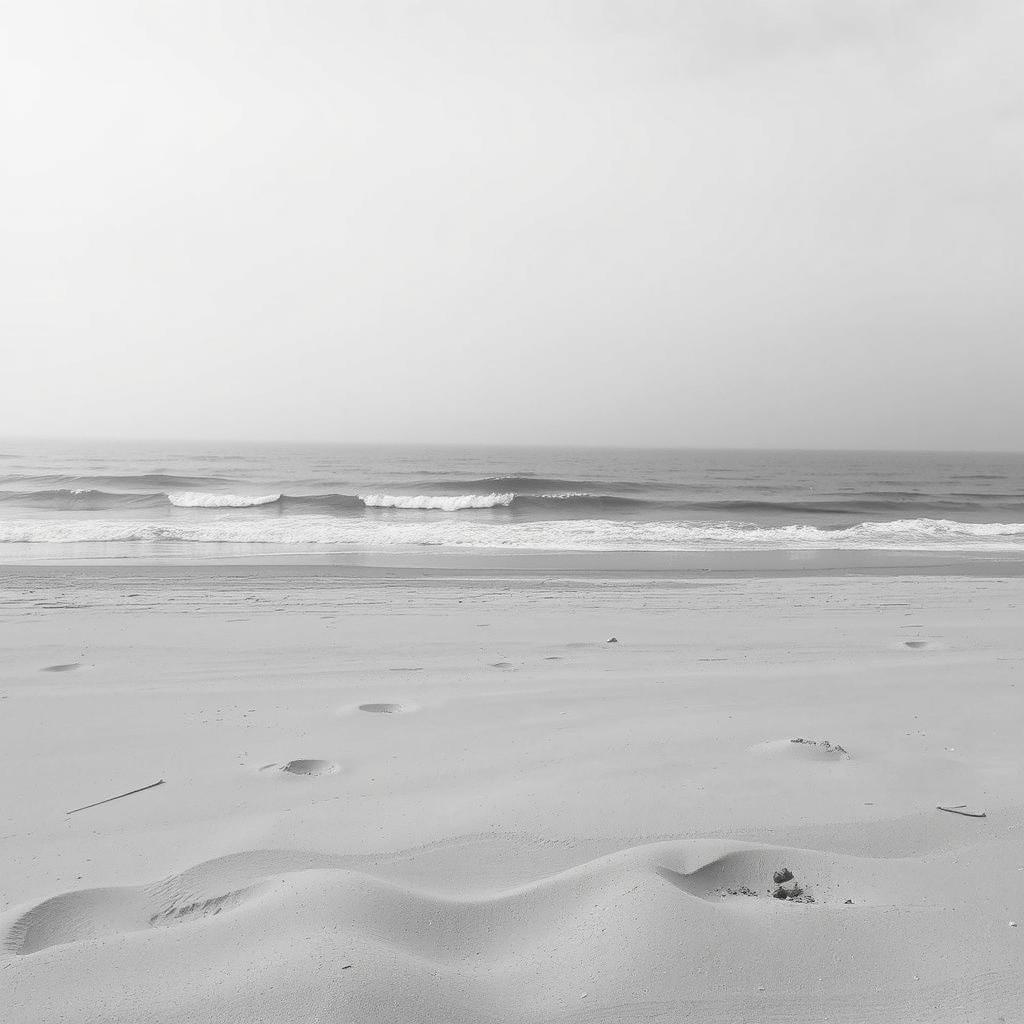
(447, 795)
(512, 513)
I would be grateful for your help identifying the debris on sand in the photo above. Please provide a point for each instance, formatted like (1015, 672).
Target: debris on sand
(120, 796)
(963, 809)
(828, 748)
(791, 893)
(794, 893)
(741, 890)
(612, 640)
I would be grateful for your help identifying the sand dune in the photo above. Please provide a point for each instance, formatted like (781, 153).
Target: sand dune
(702, 869)
(675, 923)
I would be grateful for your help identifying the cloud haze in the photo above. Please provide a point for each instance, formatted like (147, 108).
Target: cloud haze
(764, 223)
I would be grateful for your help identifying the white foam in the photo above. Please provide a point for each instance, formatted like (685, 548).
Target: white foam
(563, 535)
(443, 503)
(200, 499)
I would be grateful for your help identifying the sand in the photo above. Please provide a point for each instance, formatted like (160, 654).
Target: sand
(418, 797)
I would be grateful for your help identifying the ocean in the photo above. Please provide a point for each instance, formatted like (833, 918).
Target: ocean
(64, 499)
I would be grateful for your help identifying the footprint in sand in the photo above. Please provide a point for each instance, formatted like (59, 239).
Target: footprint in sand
(69, 667)
(311, 766)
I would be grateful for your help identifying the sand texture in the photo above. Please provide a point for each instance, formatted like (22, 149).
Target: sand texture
(429, 799)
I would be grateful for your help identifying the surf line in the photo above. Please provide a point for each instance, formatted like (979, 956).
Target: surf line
(119, 796)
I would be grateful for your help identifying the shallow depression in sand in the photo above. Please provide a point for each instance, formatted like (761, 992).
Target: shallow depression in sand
(69, 667)
(310, 766)
(386, 709)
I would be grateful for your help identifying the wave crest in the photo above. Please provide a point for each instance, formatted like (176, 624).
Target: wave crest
(443, 503)
(200, 499)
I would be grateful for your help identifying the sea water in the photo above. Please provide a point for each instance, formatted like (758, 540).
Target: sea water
(192, 498)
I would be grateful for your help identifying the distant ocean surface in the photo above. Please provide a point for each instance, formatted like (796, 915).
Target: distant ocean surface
(121, 499)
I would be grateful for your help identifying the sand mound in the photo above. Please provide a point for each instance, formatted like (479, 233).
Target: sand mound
(310, 766)
(802, 749)
(403, 916)
(75, 917)
(752, 872)
(203, 891)
(269, 933)
(69, 667)
(386, 709)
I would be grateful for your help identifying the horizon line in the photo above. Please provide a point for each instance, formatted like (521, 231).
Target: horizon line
(546, 446)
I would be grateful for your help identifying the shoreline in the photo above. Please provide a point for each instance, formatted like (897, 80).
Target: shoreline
(539, 564)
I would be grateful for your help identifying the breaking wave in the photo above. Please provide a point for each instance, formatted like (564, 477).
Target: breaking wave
(453, 503)
(201, 499)
(825, 510)
(560, 535)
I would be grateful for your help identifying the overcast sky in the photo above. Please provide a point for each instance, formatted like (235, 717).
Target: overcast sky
(704, 222)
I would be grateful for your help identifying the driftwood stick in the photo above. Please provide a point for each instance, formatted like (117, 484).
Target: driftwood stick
(130, 792)
(960, 809)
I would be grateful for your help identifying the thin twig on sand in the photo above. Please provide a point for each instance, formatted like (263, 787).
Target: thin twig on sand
(961, 809)
(130, 792)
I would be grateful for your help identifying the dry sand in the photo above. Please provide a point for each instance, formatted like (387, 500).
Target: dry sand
(451, 800)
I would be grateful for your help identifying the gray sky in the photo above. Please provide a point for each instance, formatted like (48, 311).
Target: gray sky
(754, 222)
